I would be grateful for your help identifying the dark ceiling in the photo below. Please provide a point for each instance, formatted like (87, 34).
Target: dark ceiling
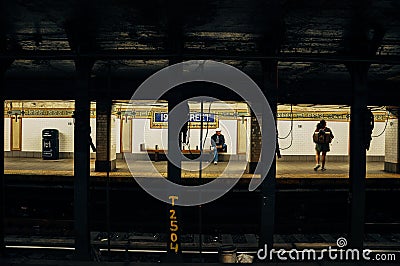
(129, 40)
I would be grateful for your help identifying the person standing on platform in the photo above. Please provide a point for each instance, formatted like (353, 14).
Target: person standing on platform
(322, 138)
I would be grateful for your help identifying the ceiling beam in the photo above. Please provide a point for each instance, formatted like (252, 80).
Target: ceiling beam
(201, 55)
(306, 91)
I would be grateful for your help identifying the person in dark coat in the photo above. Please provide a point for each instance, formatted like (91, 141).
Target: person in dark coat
(217, 143)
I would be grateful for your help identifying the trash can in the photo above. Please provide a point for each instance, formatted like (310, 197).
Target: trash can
(227, 254)
(50, 144)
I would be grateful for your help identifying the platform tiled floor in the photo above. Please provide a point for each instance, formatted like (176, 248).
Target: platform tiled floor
(285, 169)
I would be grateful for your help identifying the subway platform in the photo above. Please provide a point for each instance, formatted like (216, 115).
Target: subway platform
(290, 175)
(285, 169)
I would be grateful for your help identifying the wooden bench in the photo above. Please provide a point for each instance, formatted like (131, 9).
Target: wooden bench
(159, 152)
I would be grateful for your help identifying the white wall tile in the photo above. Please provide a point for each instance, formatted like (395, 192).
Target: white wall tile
(302, 143)
(142, 133)
(7, 132)
(32, 133)
(391, 142)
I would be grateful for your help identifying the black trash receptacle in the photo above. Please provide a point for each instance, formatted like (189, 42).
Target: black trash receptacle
(50, 144)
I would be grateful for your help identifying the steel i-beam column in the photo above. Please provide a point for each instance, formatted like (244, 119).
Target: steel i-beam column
(4, 65)
(174, 248)
(269, 183)
(359, 73)
(2, 180)
(82, 165)
(174, 43)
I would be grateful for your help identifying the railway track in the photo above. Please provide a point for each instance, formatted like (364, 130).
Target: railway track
(295, 213)
(150, 247)
(46, 210)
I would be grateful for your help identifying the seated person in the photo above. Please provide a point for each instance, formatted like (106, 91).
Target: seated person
(218, 143)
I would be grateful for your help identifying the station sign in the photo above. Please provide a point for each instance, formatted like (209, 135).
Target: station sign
(160, 120)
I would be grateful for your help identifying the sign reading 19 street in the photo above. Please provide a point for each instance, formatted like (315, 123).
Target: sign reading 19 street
(193, 117)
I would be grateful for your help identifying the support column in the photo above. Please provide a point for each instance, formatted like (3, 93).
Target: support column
(104, 162)
(270, 44)
(255, 144)
(361, 37)
(4, 65)
(268, 186)
(82, 164)
(2, 178)
(174, 44)
(359, 73)
(392, 142)
(3, 47)
(174, 249)
(81, 31)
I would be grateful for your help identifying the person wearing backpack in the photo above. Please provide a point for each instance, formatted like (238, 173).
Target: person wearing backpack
(322, 138)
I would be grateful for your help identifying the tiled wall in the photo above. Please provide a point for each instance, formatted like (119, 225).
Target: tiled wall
(378, 140)
(32, 133)
(7, 125)
(392, 138)
(302, 143)
(142, 133)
